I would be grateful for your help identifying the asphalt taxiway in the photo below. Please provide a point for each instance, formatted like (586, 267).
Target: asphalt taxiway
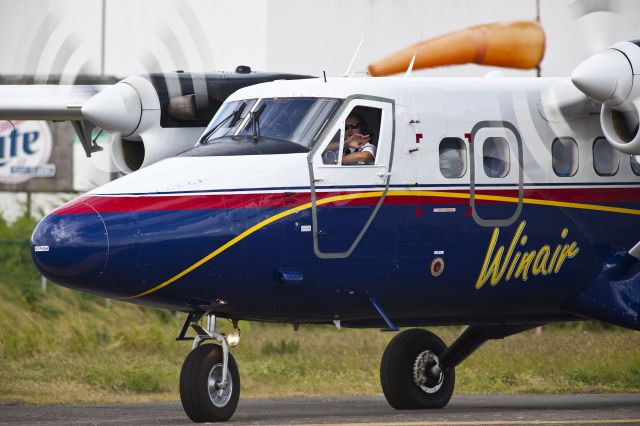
(462, 410)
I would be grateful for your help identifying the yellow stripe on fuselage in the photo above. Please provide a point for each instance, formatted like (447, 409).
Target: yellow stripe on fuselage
(376, 194)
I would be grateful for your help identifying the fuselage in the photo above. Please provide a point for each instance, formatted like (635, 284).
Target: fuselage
(289, 237)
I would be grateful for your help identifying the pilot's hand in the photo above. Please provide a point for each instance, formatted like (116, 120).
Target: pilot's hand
(356, 140)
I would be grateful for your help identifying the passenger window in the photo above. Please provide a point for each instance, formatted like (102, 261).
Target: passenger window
(564, 156)
(495, 157)
(605, 158)
(453, 158)
(635, 164)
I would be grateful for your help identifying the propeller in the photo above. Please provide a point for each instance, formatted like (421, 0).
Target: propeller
(602, 15)
(514, 45)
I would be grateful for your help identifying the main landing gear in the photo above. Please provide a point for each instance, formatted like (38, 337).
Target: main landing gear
(209, 379)
(418, 370)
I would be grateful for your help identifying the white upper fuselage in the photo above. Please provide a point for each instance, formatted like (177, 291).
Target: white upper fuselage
(436, 108)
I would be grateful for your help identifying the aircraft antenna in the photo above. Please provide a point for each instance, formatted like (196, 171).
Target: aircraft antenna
(408, 73)
(413, 59)
(324, 73)
(353, 59)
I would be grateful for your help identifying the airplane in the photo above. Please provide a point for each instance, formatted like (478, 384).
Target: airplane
(497, 203)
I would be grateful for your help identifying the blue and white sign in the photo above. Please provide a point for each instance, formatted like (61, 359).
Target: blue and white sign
(25, 149)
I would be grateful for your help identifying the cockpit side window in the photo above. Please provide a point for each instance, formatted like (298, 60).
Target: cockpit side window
(331, 154)
(359, 144)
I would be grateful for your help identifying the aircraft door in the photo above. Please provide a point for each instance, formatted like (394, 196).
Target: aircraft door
(496, 173)
(350, 169)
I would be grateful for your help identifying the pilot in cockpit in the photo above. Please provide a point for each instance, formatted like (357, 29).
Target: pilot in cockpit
(359, 143)
(358, 148)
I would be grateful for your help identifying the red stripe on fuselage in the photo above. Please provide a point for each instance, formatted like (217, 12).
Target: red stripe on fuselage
(113, 204)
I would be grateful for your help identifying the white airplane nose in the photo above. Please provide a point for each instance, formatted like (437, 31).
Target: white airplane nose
(606, 77)
(115, 109)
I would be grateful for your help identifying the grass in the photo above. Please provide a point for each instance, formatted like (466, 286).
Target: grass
(85, 352)
(67, 347)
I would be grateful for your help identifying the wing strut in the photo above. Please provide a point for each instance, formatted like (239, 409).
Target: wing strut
(83, 129)
(392, 326)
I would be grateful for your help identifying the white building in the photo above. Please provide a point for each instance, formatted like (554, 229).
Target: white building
(124, 37)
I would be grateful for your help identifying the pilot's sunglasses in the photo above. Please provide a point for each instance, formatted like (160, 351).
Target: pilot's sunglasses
(352, 126)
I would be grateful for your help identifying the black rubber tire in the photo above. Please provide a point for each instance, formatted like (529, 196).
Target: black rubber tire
(194, 392)
(396, 372)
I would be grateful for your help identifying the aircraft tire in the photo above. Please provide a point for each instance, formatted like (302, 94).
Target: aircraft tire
(397, 372)
(201, 402)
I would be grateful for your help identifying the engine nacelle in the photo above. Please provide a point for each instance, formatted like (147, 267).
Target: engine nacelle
(612, 77)
(155, 144)
(161, 115)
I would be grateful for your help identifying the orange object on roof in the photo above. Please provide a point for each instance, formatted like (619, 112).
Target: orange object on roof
(513, 45)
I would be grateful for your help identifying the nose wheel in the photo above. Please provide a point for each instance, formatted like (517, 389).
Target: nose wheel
(205, 396)
(410, 371)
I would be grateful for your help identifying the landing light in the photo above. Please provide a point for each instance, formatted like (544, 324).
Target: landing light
(233, 338)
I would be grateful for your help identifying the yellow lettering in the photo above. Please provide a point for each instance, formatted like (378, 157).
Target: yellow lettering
(492, 266)
(554, 258)
(518, 264)
(525, 263)
(540, 262)
(486, 273)
(514, 262)
(568, 251)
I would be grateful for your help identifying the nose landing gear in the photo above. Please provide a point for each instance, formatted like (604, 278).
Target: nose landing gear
(209, 379)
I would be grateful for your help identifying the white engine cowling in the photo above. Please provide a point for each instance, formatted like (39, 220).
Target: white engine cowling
(154, 145)
(131, 108)
(612, 77)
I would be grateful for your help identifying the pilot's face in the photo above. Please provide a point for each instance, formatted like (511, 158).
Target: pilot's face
(352, 126)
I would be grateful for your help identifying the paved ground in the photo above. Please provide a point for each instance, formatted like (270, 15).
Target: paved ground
(463, 410)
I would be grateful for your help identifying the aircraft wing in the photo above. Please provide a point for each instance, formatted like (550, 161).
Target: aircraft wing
(152, 117)
(45, 102)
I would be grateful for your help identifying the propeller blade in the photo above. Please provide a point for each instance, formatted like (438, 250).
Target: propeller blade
(603, 15)
(513, 45)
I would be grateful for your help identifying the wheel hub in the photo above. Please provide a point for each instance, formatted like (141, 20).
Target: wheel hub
(422, 376)
(220, 396)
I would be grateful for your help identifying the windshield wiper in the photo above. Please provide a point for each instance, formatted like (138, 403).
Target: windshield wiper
(236, 115)
(255, 122)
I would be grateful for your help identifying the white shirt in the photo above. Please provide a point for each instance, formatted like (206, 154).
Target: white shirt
(368, 147)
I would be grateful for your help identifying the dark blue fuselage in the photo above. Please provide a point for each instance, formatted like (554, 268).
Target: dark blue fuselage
(174, 251)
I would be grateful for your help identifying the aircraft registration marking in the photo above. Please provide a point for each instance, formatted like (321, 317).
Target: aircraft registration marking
(375, 194)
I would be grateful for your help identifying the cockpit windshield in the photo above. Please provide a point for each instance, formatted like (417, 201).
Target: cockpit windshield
(297, 120)
(227, 119)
